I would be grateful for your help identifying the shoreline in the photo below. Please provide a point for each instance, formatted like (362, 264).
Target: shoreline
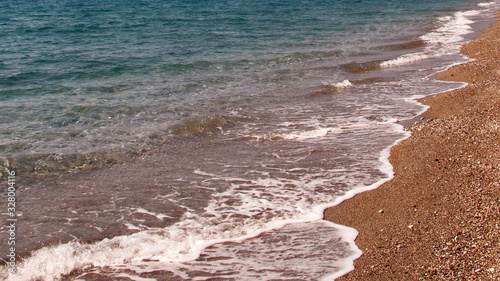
(439, 217)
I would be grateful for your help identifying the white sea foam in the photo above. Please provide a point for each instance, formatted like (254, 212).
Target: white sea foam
(252, 259)
(451, 30)
(444, 40)
(338, 85)
(144, 211)
(487, 4)
(406, 59)
(180, 244)
(132, 227)
(297, 135)
(320, 132)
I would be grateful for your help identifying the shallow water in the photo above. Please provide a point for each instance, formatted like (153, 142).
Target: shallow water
(203, 140)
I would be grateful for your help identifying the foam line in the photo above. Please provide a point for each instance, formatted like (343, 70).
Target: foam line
(445, 40)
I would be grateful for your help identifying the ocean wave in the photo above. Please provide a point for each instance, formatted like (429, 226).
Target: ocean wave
(487, 4)
(406, 59)
(356, 67)
(444, 40)
(305, 135)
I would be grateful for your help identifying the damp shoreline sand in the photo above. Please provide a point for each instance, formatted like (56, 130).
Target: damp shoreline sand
(439, 217)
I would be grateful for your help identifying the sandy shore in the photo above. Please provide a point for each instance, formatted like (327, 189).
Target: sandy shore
(439, 218)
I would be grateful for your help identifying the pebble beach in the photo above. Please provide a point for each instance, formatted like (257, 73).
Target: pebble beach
(439, 218)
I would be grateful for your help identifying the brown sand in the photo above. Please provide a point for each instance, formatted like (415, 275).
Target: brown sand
(439, 218)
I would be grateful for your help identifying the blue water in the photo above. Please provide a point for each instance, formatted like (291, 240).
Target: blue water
(205, 138)
(121, 59)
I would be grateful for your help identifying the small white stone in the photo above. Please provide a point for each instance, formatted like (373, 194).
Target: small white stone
(410, 226)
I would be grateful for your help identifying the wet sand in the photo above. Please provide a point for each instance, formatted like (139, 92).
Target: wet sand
(439, 218)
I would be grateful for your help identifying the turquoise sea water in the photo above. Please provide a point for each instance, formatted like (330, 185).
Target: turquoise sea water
(72, 66)
(231, 126)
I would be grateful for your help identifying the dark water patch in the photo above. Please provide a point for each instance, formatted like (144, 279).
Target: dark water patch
(356, 67)
(202, 125)
(405, 46)
(326, 91)
(369, 80)
(42, 166)
(375, 118)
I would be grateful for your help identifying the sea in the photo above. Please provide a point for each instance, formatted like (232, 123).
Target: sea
(203, 139)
